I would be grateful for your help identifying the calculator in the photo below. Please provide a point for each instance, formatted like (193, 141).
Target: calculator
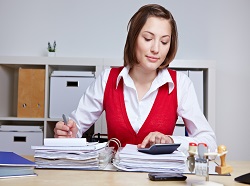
(160, 148)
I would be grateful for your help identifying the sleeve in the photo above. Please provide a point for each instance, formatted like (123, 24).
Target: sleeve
(197, 126)
(90, 106)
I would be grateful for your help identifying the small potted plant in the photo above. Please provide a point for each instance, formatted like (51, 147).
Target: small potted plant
(52, 49)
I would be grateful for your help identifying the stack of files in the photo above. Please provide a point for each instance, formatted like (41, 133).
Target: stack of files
(92, 156)
(13, 165)
(129, 158)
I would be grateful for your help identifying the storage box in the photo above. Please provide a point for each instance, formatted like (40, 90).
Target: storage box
(31, 93)
(19, 139)
(66, 89)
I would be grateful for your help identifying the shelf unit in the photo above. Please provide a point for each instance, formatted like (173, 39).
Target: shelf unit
(9, 66)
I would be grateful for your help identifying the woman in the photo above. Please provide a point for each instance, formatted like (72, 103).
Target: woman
(143, 99)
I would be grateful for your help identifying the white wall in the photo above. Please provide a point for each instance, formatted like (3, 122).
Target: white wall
(209, 30)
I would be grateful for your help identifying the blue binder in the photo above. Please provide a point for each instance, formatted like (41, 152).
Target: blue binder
(13, 165)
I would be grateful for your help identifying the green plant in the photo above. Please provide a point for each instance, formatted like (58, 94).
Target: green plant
(50, 48)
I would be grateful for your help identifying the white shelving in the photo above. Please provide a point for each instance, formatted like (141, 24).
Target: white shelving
(9, 75)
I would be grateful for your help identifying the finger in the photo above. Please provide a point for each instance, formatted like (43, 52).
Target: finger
(63, 137)
(163, 140)
(61, 132)
(166, 139)
(71, 123)
(158, 138)
(61, 126)
(146, 141)
(170, 139)
(155, 137)
(73, 128)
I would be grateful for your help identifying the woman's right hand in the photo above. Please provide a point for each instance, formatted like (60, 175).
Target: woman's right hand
(65, 131)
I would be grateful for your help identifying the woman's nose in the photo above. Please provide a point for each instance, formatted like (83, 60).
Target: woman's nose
(155, 47)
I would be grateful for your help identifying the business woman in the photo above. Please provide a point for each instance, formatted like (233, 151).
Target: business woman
(143, 98)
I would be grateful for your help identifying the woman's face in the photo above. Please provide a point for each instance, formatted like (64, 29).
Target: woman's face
(153, 43)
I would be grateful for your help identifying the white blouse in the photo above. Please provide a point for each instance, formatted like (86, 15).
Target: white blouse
(91, 106)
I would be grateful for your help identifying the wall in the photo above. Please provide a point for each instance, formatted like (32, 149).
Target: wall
(209, 30)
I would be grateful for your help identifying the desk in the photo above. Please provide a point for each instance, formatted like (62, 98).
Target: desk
(107, 178)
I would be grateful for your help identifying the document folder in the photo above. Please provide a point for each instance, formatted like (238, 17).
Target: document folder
(92, 156)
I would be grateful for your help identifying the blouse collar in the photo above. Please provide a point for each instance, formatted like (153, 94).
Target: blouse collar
(162, 78)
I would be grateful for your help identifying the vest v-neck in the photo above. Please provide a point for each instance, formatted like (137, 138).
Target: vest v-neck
(152, 110)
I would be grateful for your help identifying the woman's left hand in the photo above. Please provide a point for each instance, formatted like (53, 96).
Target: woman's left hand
(155, 138)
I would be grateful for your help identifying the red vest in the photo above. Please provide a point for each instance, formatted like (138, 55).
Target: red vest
(162, 117)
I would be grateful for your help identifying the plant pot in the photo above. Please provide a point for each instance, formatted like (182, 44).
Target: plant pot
(51, 54)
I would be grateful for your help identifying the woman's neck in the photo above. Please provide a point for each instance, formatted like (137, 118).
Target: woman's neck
(141, 76)
(142, 80)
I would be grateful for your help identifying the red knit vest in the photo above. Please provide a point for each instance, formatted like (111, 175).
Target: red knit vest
(162, 117)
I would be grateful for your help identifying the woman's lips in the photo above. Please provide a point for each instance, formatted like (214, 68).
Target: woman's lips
(152, 58)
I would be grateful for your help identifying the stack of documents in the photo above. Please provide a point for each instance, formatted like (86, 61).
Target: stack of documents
(91, 156)
(129, 159)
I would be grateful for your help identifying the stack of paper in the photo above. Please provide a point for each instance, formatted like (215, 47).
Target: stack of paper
(13, 165)
(129, 159)
(92, 156)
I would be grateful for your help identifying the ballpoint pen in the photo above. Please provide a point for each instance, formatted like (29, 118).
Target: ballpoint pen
(65, 120)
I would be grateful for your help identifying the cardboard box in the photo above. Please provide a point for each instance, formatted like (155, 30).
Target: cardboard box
(31, 93)
(19, 139)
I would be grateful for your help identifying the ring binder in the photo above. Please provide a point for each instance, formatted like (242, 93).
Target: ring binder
(92, 156)
(116, 141)
(105, 157)
(128, 158)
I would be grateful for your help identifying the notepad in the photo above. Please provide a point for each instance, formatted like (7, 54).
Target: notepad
(89, 147)
(65, 142)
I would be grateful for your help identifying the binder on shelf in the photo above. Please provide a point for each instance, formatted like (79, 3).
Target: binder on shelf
(13, 165)
(31, 93)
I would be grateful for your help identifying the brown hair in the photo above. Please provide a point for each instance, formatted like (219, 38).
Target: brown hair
(135, 25)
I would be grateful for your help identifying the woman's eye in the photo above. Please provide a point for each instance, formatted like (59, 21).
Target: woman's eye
(164, 43)
(146, 39)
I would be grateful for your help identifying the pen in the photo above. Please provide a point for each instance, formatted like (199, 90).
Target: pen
(65, 120)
